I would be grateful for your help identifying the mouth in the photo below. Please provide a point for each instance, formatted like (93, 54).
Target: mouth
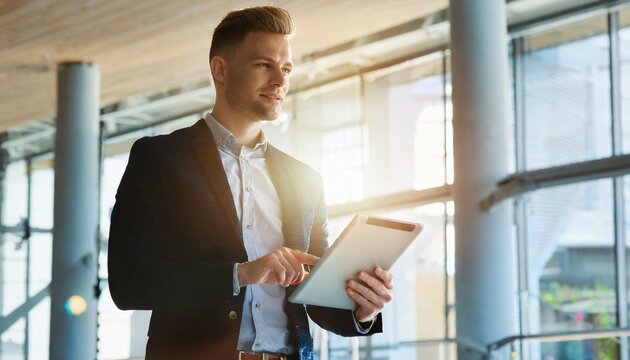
(273, 97)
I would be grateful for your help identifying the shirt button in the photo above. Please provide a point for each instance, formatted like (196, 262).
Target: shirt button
(247, 188)
(257, 345)
(248, 227)
(257, 306)
(232, 315)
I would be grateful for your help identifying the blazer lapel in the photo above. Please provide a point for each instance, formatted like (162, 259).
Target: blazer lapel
(205, 150)
(292, 223)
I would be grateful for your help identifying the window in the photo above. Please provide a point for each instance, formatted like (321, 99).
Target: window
(570, 260)
(13, 258)
(409, 112)
(344, 157)
(624, 81)
(42, 196)
(114, 325)
(329, 133)
(567, 95)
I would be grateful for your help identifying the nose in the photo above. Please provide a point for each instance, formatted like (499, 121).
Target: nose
(279, 78)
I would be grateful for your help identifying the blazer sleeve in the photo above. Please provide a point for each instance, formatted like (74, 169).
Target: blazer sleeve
(339, 321)
(139, 277)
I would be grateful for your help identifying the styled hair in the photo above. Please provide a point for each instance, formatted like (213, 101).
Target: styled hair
(235, 26)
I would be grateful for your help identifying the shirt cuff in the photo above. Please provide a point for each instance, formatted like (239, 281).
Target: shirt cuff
(236, 287)
(363, 328)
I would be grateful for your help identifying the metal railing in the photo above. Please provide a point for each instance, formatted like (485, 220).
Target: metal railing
(491, 351)
(621, 333)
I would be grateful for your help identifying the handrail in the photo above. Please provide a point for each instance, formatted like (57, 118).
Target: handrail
(494, 346)
(561, 336)
(466, 344)
(526, 181)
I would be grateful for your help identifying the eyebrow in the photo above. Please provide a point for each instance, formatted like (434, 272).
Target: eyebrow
(260, 57)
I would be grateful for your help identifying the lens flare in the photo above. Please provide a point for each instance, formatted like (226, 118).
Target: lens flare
(75, 305)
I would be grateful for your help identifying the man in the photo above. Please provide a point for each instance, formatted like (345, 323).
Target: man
(212, 225)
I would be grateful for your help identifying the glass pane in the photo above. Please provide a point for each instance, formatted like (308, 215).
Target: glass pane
(39, 330)
(405, 109)
(624, 50)
(624, 64)
(443, 351)
(14, 193)
(450, 162)
(12, 247)
(567, 86)
(13, 273)
(600, 349)
(570, 258)
(12, 347)
(114, 335)
(345, 152)
(115, 340)
(624, 47)
(42, 182)
(434, 350)
(626, 193)
(326, 130)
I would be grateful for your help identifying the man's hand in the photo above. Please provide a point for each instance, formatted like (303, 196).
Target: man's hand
(282, 266)
(371, 294)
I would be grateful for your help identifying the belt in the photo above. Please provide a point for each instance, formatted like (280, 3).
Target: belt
(242, 355)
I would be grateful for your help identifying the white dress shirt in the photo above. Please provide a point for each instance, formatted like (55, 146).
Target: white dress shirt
(258, 209)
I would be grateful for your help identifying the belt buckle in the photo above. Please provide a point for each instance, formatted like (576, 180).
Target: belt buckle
(241, 353)
(265, 356)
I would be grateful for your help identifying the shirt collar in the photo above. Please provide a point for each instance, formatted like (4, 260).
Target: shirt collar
(227, 141)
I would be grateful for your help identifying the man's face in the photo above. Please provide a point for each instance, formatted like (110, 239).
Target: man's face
(257, 76)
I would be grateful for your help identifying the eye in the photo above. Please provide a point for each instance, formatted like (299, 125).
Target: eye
(263, 65)
(286, 71)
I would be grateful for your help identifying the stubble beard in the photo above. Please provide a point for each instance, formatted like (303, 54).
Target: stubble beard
(267, 112)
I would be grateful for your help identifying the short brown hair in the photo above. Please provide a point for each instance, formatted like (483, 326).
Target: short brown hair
(237, 24)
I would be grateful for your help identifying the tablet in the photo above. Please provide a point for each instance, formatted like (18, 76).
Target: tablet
(366, 242)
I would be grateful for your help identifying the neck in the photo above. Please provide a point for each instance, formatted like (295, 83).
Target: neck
(247, 132)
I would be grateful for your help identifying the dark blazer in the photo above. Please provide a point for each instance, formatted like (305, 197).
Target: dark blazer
(175, 237)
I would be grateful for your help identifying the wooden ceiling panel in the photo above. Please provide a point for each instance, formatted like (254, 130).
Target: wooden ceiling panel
(153, 45)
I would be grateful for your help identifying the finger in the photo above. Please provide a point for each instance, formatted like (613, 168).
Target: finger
(376, 286)
(366, 293)
(365, 307)
(278, 276)
(300, 278)
(386, 276)
(295, 264)
(287, 270)
(278, 270)
(305, 258)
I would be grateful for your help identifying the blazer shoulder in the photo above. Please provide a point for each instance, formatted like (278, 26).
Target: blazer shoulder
(166, 142)
(297, 166)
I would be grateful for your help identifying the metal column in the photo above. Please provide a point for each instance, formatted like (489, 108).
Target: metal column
(72, 332)
(484, 251)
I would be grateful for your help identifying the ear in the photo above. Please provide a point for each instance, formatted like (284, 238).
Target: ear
(218, 67)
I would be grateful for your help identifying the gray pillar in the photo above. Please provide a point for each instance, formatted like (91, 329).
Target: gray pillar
(484, 255)
(73, 336)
